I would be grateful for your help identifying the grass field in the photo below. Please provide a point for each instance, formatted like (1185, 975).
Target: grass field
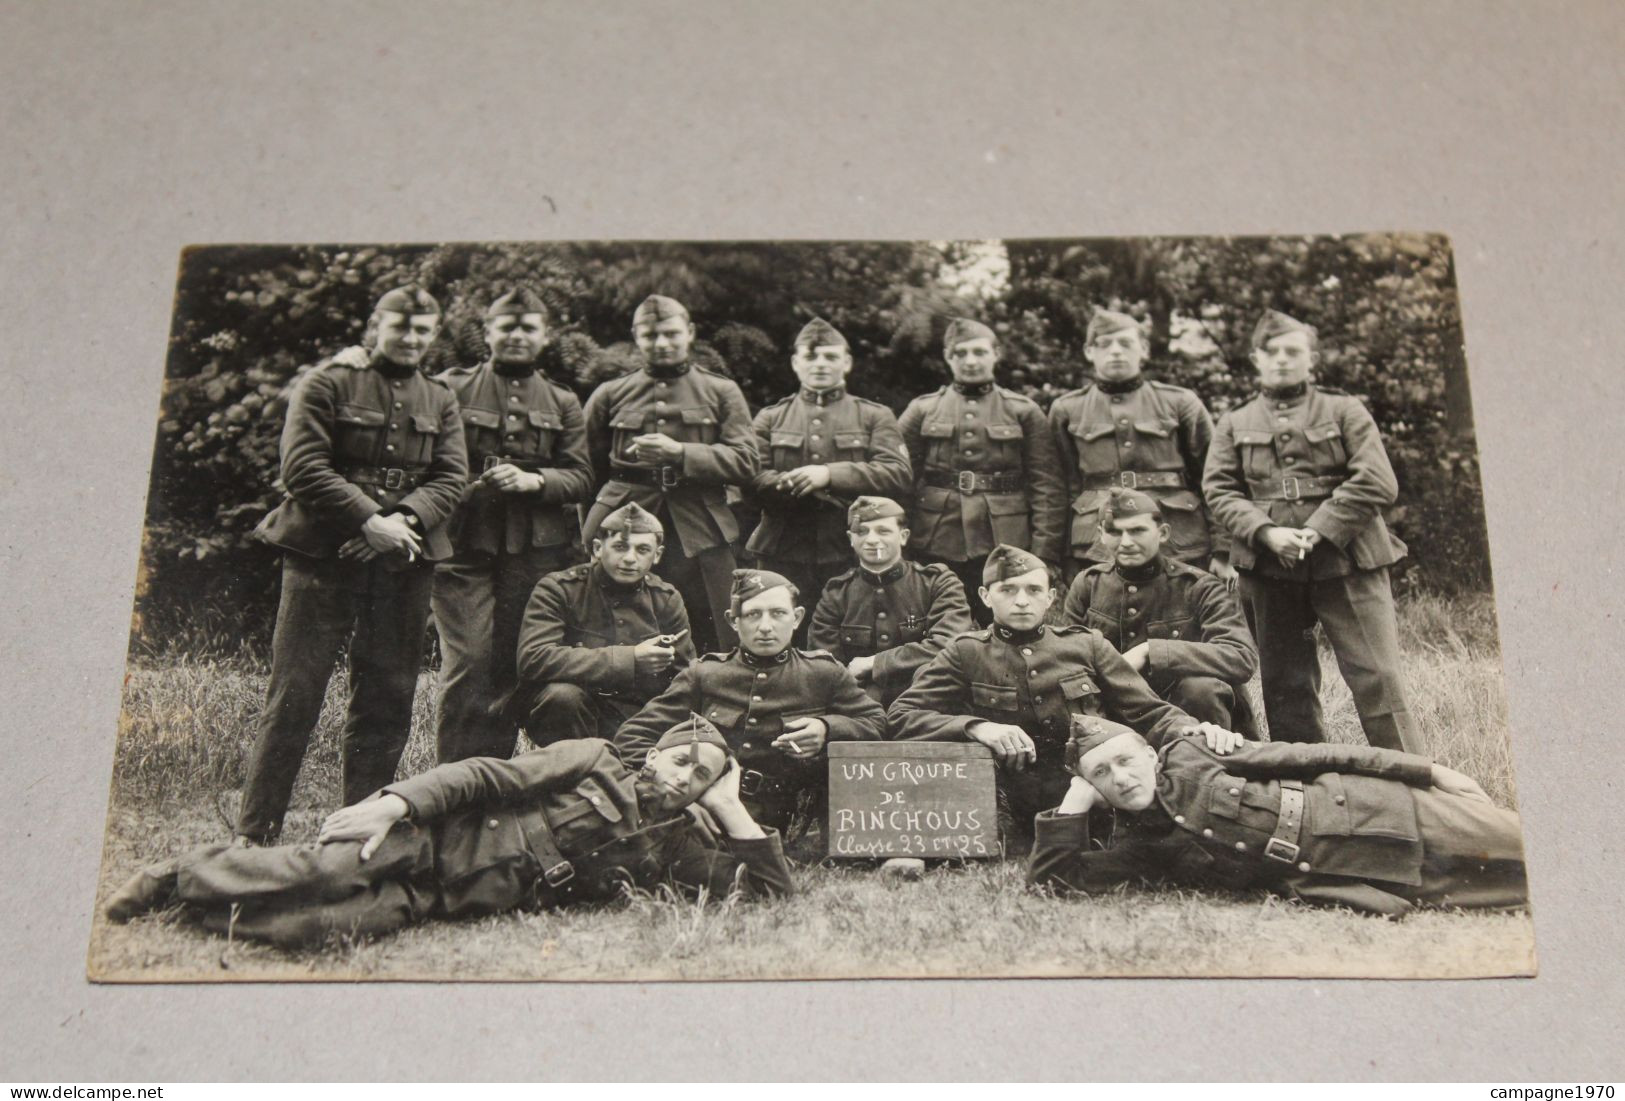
(186, 727)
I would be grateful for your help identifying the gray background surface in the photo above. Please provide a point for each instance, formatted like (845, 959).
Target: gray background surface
(131, 130)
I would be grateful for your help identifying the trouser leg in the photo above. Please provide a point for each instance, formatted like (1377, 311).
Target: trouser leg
(1357, 613)
(562, 711)
(314, 614)
(704, 582)
(385, 656)
(1206, 699)
(1282, 621)
(1472, 852)
(464, 598)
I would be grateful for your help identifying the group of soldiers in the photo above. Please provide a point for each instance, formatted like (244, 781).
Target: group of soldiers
(1069, 599)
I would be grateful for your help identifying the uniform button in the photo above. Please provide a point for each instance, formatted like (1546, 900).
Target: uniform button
(513, 416)
(880, 615)
(1207, 833)
(1241, 846)
(397, 405)
(398, 385)
(970, 416)
(968, 451)
(1338, 799)
(594, 800)
(1179, 819)
(817, 438)
(1133, 588)
(491, 825)
(885, 638)
(389, 447)
(756, 699)
(1038, 699)
(1280, 405)
(818, 421)
(1304, 866)
(1032, 672)
(1235, 791)
(514, 399)
(1128, 443)
(1290, 460)
(1122, 420)
(1286, 437)
(747, 745)
(969, 435)
(393, 426)
(1176, 634)
(760, 676)
(751, 719)
(1134, 611)
(1026, 651)
(1281, 418)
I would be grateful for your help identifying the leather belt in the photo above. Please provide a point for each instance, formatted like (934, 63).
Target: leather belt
(530, 465)
(661, 477)
(1134, 479)
(389, 477)
(538, 831)
(972, 481)
(1283, 843)
(1301, 487)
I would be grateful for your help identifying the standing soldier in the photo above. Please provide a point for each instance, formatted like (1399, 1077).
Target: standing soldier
(985, 469)
(777, 706)
(673, 437)
(820, 448)
(1176, 626)
(600, 640)
(1299, 477)
(373, 464)
(887, 617)
(1122, 430)
(527, 444)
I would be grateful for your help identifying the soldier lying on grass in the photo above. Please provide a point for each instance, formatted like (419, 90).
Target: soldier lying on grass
(1376, 830)
(563, 824)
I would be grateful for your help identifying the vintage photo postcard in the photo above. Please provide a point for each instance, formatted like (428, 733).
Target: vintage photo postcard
(794, 609)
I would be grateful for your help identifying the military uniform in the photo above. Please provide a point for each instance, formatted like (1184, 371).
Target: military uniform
(1200, 653)
(750, 699)
(483, 836)
(1340, 824)
(505, 543)
(1036, 680)
(356, 442)
(1312, 457)
(575, 651)
(706, 413)
(804, 538)
(985, 473)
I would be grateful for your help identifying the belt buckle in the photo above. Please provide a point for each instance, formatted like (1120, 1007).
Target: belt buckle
(559, 874)
(491, 461)
(1290, 487)
(750, 782)
(670, 476)
(967, 481)
(1129, 479)
(1279, 848)
(394, 477)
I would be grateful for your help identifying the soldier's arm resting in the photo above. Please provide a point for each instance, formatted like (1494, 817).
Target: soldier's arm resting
(1225, 489)
(851, 715)
(639, 734)
(1063, 860)
(1370, 486)
(1225, 648)
(886, 470)
(936, 706)
(545, 657)
(1066, 451)
(307, 455)
(733, 459)
(1130, 700)
(368, 821)
(486, 781)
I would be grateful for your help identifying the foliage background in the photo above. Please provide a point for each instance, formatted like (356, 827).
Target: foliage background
(249, 320)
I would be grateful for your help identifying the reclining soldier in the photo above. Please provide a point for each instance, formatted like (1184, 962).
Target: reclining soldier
(482, 836)
(1373, 829)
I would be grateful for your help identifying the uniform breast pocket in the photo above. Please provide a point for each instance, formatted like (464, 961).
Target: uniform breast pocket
(699, 426)
(859, 641)
(939, 442)
(544, 428)
(425, 431)
(624, 429)
(1158, 443)
(1224, 796)
(1081, 693)
(851, 446)
(725, 716)
(1004, 440)
(358, 432)
(788, 449)
(1257, 454)
(994, 698)
(1326, 441)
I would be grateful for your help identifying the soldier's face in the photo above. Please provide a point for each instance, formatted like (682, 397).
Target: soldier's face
(879, 543)
(627, 558)
(1286, 360)
(665, 343)
(1133, 540)
(404, 339)
(767, 622)
(516, 338)
(1117, 357)
(1020, 602)
(1123, 770)
(822, 368)
(972, 361)
(674, 777)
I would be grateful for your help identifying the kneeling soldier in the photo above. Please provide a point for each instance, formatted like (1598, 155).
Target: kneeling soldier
(1175, 625)
(600, 639)
(887, 617)
(483, 836)
(1347, 825)
(1015, 686)
(776, 705)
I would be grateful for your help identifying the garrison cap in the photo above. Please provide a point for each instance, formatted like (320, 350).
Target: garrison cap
(1122, 502)
(865, 509)
(1102, 322)
(961, 329)
(1274, 323)
(1006, 562)
(521, 300)
(819, 333)
(1090, 732)
(657, 308)
(633, 519)
(410, 299)
(692, 730)
(752, 583)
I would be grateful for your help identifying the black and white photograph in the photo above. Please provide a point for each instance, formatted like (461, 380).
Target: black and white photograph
(797, 609)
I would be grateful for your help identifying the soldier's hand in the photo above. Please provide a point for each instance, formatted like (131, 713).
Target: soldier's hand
(1285, 543)
(1458, 783)
(1137, 656)
(657, 447)
(358, 549)
(804, 480)
(1010, 744)
(652, 657)
(862, 669)
(1079, 798)
(368, 821)
(507, 478)
(354, 357)
(803, 737)
(1219, 740)
(391, 534)
(1223, 570)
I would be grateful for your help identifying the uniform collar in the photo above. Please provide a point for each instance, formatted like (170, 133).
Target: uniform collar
(390, 369)
(885, 577)
(1009, 634)
(976, 390)
(514, 370)
(1120, 386)
(755, 662)
(667, 372)
(1142, 573)
(1291, 394)
(822, 397)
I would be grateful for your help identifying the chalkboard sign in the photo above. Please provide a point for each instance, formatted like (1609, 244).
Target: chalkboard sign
(911, 799)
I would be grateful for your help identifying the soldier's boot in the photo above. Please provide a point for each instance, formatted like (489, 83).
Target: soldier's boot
(148, 889)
